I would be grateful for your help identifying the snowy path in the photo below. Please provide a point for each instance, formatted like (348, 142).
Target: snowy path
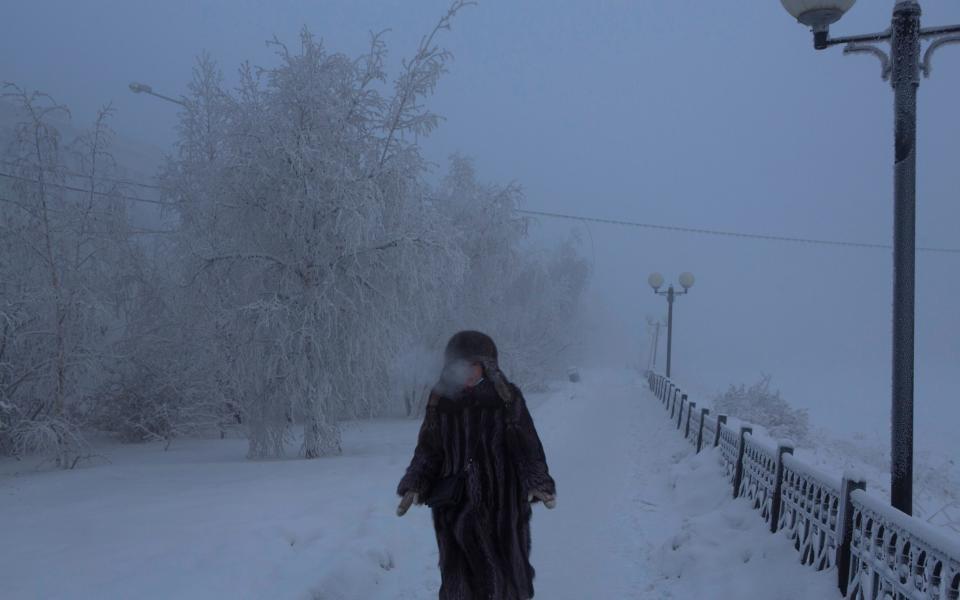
(638, 517)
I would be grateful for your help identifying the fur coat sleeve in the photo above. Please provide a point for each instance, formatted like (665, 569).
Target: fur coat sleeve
(427, 457)
(527, 449)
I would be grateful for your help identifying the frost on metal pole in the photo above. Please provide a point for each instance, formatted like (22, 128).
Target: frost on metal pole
(902, 65)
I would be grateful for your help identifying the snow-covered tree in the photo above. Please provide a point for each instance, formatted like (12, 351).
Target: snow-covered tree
(66, 250)
(527, 298)
(306, 234)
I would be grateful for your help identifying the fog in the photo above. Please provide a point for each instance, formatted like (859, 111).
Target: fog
(706, 115)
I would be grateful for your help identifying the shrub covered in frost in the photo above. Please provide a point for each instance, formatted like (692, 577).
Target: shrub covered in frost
(758, 404)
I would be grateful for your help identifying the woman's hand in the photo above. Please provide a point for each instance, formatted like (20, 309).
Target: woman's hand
(549, 500)
(408, 499)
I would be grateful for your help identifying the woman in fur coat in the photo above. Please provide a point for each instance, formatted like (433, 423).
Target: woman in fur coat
(477, 429)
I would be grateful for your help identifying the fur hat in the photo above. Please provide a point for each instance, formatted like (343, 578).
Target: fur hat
(476, 347)
(471, 346)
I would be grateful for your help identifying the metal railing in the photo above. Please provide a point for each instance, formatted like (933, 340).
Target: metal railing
(763, 477)
(878, 552)
(893, 555)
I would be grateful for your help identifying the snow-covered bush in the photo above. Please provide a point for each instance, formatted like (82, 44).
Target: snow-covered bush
(760, 405)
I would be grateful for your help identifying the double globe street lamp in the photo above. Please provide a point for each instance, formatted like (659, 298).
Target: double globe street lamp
(902, 65)
(656, 282)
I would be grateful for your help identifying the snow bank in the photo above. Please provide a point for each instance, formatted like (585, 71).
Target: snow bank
(717, 548)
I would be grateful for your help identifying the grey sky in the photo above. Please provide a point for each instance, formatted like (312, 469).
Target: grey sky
(702, 114)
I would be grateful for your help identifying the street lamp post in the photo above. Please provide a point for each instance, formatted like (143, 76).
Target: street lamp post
(142, 88)
(902, 66)
(656, 282)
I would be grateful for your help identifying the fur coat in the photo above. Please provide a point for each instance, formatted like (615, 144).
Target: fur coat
(484, 542)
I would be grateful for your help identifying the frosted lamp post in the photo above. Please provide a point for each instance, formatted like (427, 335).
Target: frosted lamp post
(656, 282)
(901, 65)
(142, 88)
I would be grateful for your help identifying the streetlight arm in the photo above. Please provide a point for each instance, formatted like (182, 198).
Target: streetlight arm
(936, 31)
(870, 49)
(882, 36)
(855, 44)
(927, 65)
(860, 39)
(169, 99)
(142, 88)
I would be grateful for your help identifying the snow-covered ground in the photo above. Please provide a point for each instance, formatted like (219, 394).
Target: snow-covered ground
(638, 516)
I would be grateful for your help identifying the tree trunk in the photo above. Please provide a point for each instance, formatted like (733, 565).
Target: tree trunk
(320, 438)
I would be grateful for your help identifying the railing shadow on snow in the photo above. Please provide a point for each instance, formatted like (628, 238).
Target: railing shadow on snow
(877, 551)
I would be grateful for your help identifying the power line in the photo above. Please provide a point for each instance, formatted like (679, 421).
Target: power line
(128, 230)
(88, 191)
(734, 234)
(620, 222)
(149, 186)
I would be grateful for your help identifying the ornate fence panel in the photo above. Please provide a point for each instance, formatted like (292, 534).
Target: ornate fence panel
(894, 555)
(680, 413)
(810, 512)
(711, 430)
(762, 477)
(696, 424)
(729, 448)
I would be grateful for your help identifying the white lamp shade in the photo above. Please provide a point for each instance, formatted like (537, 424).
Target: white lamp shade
(797, 8)
(655, 281)
(686, 280)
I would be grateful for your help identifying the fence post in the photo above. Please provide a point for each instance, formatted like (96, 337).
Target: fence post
(738, 471)
(690, 409)
(703, 416)
(845, 532)
(672, 403)
(683, 401)
(721, 420)
(776, 501)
